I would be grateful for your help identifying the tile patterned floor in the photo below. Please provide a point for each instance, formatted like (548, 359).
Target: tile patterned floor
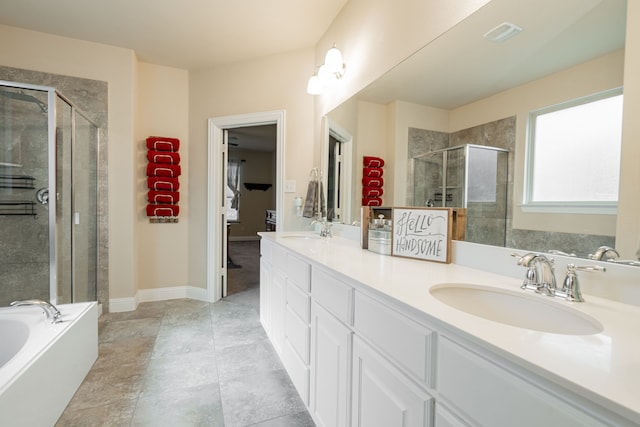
(187, 363)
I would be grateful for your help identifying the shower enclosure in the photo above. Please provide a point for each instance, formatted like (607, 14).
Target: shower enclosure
(48, 187)
(469, 176)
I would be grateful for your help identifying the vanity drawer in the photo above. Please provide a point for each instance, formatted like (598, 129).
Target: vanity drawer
(279, 258)
(334, 295)
(299, 302)
(299, 272)
(492, 396)
(298, 335)
(409, 344)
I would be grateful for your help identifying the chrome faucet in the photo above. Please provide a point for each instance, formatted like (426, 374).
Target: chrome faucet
(325, 227)
(540, 275)
(49, 309)
(604, 253)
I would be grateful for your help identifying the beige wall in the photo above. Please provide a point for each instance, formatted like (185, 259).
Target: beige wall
(42, 52)
(265, 84)
(162, 110)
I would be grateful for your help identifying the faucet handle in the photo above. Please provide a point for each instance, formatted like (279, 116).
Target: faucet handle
(571, 287)
(531, 276)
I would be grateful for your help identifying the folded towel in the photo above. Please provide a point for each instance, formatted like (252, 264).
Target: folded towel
(372, 182)
(171, 197)
(372, 162)
(163, 183)
(372, 172)
(161, 143)
(314, 203)
(372, 191)
(160, 169)
(165, 157)
(371, 201)
(311, 200)
(163, 210)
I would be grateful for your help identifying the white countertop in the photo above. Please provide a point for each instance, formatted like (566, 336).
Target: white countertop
(603, 367)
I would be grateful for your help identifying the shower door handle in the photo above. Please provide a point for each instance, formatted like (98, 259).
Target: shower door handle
(42, 196)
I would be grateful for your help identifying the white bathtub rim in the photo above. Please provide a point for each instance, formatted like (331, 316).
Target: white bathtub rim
(13, 369)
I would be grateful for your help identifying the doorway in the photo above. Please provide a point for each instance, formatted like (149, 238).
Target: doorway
(222, 131)
(251, 170)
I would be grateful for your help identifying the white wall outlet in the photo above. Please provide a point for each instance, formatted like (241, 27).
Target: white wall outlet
(290, 186)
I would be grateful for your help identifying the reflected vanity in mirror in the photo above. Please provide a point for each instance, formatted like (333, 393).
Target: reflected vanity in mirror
(464, 90)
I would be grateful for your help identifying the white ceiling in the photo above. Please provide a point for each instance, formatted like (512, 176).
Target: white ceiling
(188, 34)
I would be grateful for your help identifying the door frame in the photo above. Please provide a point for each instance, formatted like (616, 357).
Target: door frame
(216, 254)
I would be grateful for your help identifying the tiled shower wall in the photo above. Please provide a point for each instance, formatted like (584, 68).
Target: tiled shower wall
(29, 263)
(501, 134)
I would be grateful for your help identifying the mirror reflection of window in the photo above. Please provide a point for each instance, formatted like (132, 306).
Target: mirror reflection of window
(574, 153)
(232, 193)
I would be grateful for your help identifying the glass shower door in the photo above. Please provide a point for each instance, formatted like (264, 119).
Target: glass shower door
(76, 215)
(84, 207)
(24, 168)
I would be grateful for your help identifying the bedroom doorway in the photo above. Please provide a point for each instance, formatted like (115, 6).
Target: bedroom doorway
(222, 131)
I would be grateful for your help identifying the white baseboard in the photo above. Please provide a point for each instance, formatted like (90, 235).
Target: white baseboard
(117, 305)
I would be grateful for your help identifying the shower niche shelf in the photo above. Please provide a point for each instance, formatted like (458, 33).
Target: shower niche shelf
(17, 181)
(17, 207)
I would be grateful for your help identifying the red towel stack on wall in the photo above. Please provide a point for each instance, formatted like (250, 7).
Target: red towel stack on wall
(163, 171)
(372, 181)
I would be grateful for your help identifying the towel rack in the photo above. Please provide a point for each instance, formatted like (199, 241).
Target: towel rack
(17, 181)
(17, 207)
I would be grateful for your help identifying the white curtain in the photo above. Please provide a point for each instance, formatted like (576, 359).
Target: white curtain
(234, 168)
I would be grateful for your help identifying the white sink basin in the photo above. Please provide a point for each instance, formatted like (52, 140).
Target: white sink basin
(522, 310)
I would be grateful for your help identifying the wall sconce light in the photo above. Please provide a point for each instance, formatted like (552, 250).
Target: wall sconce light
(333, 67)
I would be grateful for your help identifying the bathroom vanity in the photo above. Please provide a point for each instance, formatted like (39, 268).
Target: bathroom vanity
(367, 342)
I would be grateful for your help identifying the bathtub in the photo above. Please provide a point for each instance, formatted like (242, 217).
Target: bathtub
(43, 364)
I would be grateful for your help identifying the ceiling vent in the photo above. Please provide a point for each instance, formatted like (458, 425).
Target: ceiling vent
(502, 32)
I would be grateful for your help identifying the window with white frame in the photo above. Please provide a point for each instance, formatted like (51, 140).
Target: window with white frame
(573, 155)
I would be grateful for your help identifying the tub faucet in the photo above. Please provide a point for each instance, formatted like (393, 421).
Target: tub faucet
(49, 309)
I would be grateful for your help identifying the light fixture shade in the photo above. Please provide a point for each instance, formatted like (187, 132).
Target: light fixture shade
(314, 86)
(333, 61)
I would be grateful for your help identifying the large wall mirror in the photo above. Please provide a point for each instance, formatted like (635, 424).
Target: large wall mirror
(464, 90)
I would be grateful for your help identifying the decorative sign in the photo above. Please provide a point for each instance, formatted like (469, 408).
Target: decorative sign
(423, 233)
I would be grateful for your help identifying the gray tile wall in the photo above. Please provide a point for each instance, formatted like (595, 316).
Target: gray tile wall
(23, 278)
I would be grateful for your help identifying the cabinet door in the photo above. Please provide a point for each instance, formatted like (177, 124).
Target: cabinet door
(276, 308)
(383, 396)
(330, 369)
(265, 299)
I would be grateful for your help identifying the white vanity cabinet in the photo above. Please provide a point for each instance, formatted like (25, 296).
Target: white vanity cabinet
(362, 359)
